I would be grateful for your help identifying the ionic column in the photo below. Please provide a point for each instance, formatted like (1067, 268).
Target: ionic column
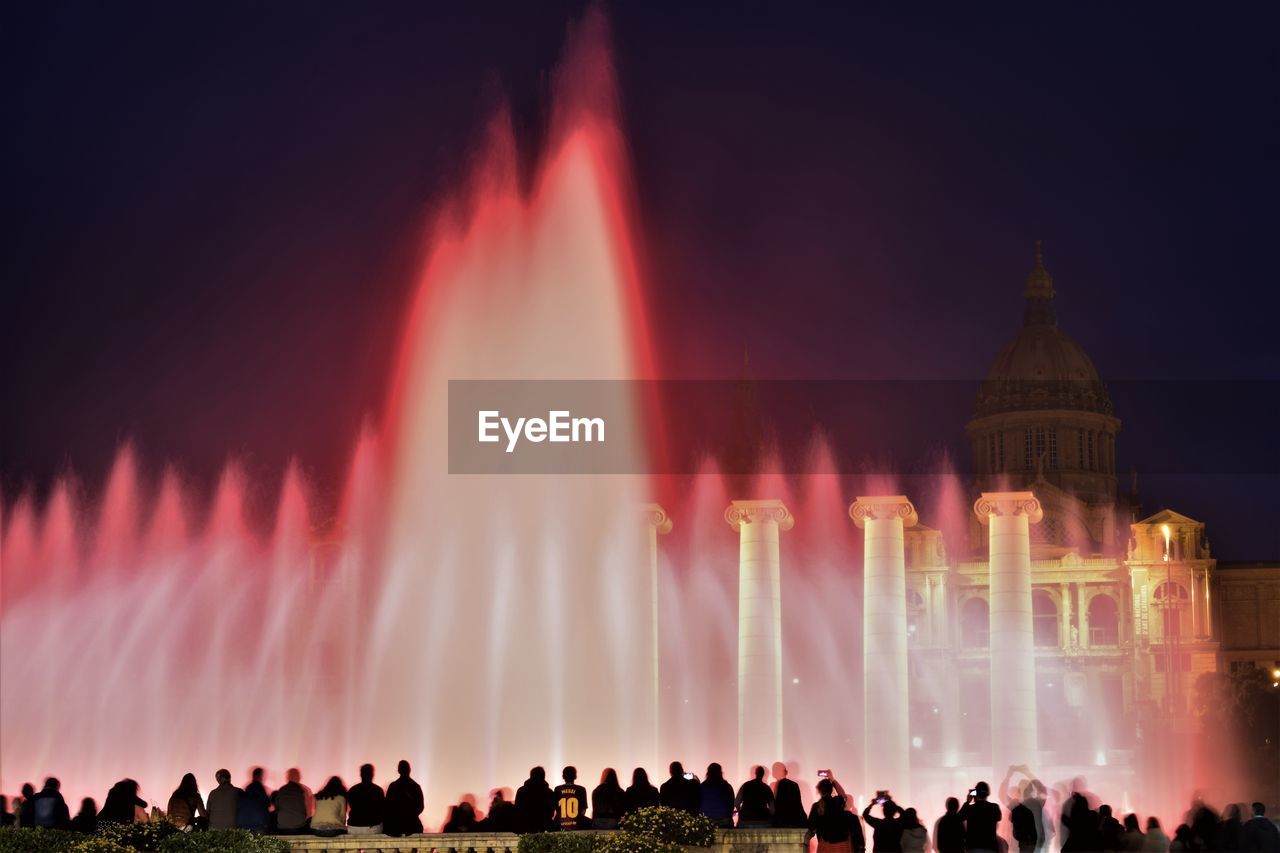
(884, 605)
(1065, 590)
(1082, 615)
(1014, 736)
(759, 628)
(658, 522)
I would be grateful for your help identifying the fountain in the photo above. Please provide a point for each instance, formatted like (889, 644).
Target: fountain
(481, 624)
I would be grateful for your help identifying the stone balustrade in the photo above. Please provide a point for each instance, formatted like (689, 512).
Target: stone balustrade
(727, 841)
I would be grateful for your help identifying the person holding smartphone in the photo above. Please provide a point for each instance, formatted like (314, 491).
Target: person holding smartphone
(887, 829)
(837, 829)
(681, 791)
(980, 820)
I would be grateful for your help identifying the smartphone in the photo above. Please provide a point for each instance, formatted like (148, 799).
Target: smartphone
(688, 776)
(973, 792)
(824, 774)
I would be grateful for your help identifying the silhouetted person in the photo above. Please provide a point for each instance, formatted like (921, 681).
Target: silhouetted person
(290, 801)
(1080, 825)
(86, 820)
(367, 803)
(23, 806)
(1183, 840)
(253, 812)
(886, 835)
(754, 802)
(1260, 835)
(535, 803)
(715, 797)
(1026, 809)
(1132, 840)
(48, 808)
(571, 802)
(1204, 826)
(462, 818)
(641, 794)
(330, 816)
(122, 803)
(981, 817)
(186, 806)
(915, 838)
(1109, 830)
(948, 832)
(608, 801)
(788, 809)
(502, 815)
(679, 792)
(1230, 835)
(837, 830)
(404, 804)
(7, 818)
(1156, 841)
(224, 802)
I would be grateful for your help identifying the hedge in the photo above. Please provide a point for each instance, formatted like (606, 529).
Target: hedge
(158, 837)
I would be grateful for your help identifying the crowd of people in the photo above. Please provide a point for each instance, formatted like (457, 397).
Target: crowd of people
(1021, 815)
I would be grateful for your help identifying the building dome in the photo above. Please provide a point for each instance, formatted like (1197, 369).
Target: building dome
(1041, 367)
(1042, 421)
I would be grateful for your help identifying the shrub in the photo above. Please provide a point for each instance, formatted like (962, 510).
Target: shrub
(145, 837)
(629, 842)
(672, 826)
(14, 840)
(223, 841)
(559, 842)
(98, 844)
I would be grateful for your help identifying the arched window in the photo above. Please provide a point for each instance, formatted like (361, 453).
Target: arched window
(1170, 599)
(975, 624)
(1104, 621)
(915, 610)
(1044, 619)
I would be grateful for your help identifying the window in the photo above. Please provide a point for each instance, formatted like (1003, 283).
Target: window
(1170, 599)
(1044, 619)
(1093, 458)
(1039, 447)
(1000, 448)
(975, 624)
(915, 608)
(1104, 621)
(1080, 449)
(1184, 662)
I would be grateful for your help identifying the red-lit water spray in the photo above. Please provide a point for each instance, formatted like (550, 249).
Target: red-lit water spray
(476, 625)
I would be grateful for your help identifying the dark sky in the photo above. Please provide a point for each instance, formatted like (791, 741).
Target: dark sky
(213, 210)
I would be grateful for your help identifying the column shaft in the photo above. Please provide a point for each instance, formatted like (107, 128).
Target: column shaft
(1014, 729)
(887, 745)
(759, 629)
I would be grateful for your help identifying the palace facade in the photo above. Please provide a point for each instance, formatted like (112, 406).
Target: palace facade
(1128, 609)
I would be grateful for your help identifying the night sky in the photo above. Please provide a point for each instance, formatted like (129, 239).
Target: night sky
(214, 211)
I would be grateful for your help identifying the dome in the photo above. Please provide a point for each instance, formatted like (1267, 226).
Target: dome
(1041, 367)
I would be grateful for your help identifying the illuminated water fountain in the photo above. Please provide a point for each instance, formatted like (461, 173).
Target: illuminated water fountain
(479, 625)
